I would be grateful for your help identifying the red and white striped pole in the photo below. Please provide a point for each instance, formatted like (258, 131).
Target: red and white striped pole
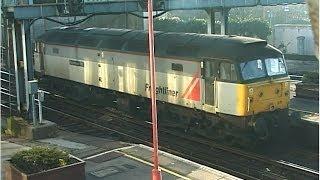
(156, 175)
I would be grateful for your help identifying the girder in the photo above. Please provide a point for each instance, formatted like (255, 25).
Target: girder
(51, 10)
(123, 6)
(216, 4)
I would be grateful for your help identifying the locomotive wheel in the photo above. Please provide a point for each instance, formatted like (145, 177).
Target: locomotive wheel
(281, 123)
(295, 118)
(261, 128)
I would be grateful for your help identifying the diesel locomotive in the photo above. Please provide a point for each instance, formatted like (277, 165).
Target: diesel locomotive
(202, 80)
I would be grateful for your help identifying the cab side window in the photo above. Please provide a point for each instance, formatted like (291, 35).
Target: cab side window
(227, 71)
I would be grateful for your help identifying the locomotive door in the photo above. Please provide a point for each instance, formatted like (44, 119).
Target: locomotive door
(209, 77)
(102, 74)
(41, 57)
(114, 73)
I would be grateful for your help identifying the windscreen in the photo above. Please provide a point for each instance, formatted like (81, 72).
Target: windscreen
(261, 68)
(252, 69)
(275, 66)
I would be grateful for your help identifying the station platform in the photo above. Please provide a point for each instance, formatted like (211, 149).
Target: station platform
(111, 159)
(308, 108)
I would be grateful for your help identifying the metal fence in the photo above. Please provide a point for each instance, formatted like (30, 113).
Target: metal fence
(8, 90)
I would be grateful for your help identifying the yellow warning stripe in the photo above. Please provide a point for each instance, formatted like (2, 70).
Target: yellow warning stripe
(150, 164)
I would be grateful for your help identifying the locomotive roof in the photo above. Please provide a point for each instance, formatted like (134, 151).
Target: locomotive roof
(167, 44)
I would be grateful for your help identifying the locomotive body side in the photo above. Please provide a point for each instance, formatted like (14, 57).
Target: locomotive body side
(178, 81)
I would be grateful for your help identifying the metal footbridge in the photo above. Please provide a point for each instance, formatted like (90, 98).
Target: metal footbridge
(30, 9)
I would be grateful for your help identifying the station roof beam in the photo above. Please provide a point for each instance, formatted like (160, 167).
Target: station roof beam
(125, 6)
(203, 4)
(51, 10)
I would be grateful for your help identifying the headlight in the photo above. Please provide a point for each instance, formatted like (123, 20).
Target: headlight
(287, 93)
(251, 92)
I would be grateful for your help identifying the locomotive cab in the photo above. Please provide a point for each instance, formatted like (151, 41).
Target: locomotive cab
(267, 86)
(253, 93)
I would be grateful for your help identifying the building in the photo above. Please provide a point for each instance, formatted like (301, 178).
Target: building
(294, 39)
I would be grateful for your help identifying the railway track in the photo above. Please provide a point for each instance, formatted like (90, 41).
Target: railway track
(306, 116)
(106, 122)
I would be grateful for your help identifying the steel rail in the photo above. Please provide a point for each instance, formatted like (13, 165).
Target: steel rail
(303, 111)
(307, 172)
(147, 142)
(95, 124)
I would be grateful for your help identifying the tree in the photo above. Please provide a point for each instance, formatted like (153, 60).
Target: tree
(253, 27)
